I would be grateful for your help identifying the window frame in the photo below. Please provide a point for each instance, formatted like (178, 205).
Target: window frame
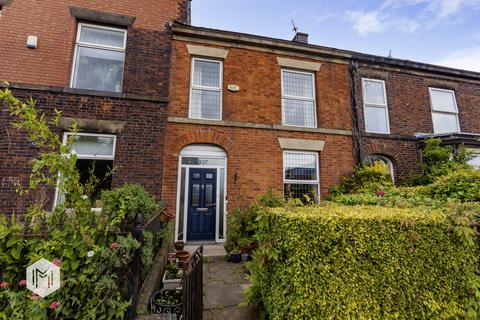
(313, 99)
(85, 156)
(455, 113)
(374, 105)
(311, 182)
(79, 44)
(204, 88)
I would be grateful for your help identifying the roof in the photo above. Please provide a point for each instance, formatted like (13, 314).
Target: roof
(452, 138)
(179, 28)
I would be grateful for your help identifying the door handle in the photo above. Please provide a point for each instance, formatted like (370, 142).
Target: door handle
(211, 205)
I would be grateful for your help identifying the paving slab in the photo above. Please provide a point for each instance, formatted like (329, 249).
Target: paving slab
(223, 285)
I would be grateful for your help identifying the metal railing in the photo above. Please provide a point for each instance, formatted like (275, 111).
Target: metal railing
(193, 286)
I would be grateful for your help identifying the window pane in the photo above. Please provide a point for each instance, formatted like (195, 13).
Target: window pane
(205, 104)
(444, 123)
(376, 119)
(305, 192)
(298, 84)
(102, 37)
(99, 69)
(206, 73)
(374, 92)
(93, 145)
(195, 195)
(475, 161)
(443, 101)
(300, 166)
(299, 112)
(208, 195)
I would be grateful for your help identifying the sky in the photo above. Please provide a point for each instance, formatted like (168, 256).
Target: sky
(443, 32)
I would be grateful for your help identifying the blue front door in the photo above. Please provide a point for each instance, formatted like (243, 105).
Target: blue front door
(202, 207)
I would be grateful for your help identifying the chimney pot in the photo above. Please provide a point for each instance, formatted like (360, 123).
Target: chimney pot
(301, 37)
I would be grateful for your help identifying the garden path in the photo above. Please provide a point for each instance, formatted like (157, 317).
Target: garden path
(223, 284)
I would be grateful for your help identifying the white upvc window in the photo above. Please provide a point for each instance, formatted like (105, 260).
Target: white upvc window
(444, 111)
(99, 58)
(206, 89)
(95, 153)
(301, 175)
(475, 161)
(375, 106)
(298, 99)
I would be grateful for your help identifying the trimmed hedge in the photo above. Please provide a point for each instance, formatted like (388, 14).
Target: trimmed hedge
(361, 262)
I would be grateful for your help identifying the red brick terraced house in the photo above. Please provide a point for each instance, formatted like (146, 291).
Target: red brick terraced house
(248, 114)
(209, 119)
(105, 64)
(399, 103)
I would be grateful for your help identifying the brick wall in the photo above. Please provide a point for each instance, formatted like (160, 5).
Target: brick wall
(255, 159)
(138, 154)
(147, 56)
(410, 112)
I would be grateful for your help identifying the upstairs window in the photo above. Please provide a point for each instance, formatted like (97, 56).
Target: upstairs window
(95, 154)
(444, 111)
(301, 177)
(375, 106)
(99, 58)
(206, 89)
(298, 99)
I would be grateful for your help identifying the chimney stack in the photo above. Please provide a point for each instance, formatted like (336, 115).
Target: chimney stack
(301, 37)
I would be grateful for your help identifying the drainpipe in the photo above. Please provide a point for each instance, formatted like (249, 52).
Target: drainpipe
(357, 138)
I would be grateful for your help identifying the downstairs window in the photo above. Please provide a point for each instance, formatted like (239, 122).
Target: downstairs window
(301, 177)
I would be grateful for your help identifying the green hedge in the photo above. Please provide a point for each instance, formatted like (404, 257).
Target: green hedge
(360, 262)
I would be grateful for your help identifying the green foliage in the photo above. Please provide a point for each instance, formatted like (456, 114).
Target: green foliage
(93, 255)
(368, 177)
(462, 185)
(439, 160)
(242, 224)
(363, 262)
(125, 202)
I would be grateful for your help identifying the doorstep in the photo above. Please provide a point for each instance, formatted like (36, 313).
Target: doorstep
(210, 250)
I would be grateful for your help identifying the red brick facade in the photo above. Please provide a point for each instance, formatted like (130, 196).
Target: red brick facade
(410, 112)
(255, 158)
(44, 74)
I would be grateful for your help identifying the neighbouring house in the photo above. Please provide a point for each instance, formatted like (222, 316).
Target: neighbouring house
(399, 103)
(104, 64)
(248, 114)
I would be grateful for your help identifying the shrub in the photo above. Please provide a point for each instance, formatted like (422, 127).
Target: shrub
(368, 177)
(439, 160)
(125, 202)
(361, 262)
(243, 225)
(462, 185)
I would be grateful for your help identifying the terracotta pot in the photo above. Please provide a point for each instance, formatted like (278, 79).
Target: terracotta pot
(183, 255)
(166, 217)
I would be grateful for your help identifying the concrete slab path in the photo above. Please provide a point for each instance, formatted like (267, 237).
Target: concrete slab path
(223, 284)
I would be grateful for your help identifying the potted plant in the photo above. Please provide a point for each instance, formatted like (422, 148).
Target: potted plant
(179, 245)
(235, 256)
(183, 256)
(166, 301)
(172, 278)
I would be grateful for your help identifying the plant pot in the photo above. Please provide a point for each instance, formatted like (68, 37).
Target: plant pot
(183, 256)
(158, 307)
(235, 257)
(245, 256)
(166, 217)
(171, 284)
(179, 245)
